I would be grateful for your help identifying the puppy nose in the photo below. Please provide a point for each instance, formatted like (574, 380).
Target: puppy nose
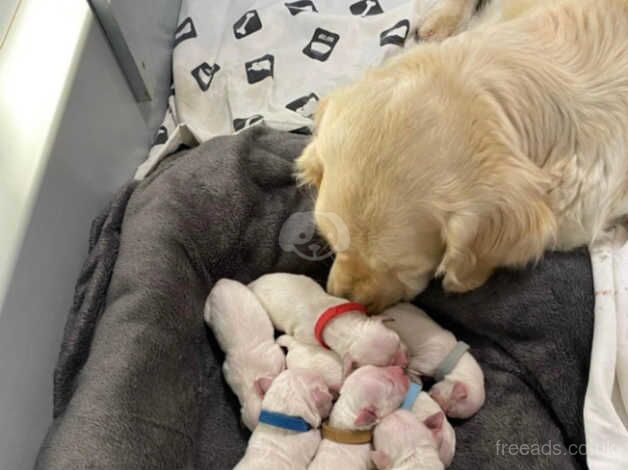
(400, 359)
(397, 375)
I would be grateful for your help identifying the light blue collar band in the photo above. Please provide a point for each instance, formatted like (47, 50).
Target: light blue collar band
(280, 420)
(450, 361)
(413, 392)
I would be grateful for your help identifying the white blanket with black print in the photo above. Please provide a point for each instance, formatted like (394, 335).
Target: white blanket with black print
(237, 63)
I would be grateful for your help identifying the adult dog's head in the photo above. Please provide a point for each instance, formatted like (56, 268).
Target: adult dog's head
(424, 171)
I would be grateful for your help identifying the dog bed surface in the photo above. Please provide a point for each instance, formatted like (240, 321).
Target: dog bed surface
(138, 384)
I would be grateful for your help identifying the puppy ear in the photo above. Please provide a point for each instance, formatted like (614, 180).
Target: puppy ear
(435, 424)
(323, 400)
(367, 416)
(309, 167)
(506, 221)
(380, 459)
(459, 391)
(262, 384)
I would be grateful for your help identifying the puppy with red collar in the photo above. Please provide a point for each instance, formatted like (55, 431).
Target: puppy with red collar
(368, 394)
(298, 306)
(287, 435)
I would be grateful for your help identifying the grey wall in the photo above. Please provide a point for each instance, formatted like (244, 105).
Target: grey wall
(103, 135)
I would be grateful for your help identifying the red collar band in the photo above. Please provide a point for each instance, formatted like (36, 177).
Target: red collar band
(330, 314)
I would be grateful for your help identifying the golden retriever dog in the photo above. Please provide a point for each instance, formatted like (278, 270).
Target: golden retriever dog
(484, 150)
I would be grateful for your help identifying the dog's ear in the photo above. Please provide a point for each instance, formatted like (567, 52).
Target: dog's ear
(504, 221)
(309, 167)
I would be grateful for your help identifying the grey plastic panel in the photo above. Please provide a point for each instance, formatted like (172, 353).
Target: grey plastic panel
(139, 31)
(102, 136)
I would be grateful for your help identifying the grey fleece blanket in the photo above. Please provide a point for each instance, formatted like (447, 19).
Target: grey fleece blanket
(138, 383)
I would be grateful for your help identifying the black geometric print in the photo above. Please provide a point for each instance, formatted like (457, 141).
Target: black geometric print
(259, 69)
(247, 24)
(241, 123)
(186, 30)
(204, 74)
(301, 6)
(304, 105)
(161, 137)
(321, 45)
(396, 35)
(366, 8)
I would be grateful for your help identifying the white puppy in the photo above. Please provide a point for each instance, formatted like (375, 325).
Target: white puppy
(315, 358)
(402, 442)
(245, 334)
(423, 407)
(298, 394)
(461, 392)
(369, 394)
(295, 303)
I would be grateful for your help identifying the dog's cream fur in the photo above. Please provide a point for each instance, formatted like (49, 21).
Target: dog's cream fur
(461, 393)
(482, 151)
(294, 303)
(295, 392)
(367, 396)
(245, 334)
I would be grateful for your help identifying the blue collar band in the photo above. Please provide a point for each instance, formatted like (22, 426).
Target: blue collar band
(413, 392)
(280, 420)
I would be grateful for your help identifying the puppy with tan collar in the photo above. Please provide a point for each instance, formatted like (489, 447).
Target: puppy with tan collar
(435, 352)
(287, 436)
(368, 395)
(315, 358)
(246, 336)
(298, 306)
(402, 442)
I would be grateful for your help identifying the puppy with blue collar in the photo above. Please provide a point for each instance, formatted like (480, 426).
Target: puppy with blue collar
(287, 435)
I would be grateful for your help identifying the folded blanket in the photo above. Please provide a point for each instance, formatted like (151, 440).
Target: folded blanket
(138, 384)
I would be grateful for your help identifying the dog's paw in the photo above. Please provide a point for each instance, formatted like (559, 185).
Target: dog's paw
(439, 25)
(444, 19)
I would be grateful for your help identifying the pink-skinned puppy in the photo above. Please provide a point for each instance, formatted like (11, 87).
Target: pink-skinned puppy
(297, 393)
(424, 407)
(367, 396)
(295, 302)
(403, 442)
(461, 393)
(315, 358)
(245, 334)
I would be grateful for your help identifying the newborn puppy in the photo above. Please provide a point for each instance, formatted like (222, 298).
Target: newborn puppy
(367, 396)
(315, 358)
(461, 393)
(245, 334)
(297, 393)
(295, 303)
(402, 442)
(424, 407)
